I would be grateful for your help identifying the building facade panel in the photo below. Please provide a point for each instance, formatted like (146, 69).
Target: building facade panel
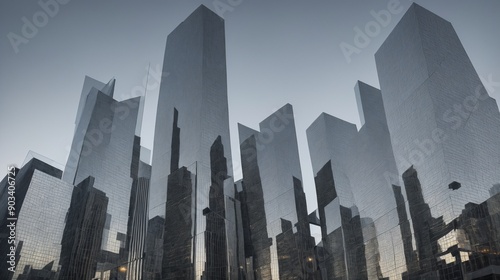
(355, 194)
(105, 147)
(281, 244)
(192, 124)
(40, 226)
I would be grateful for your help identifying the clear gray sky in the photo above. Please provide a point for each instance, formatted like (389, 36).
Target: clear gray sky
(278, 52)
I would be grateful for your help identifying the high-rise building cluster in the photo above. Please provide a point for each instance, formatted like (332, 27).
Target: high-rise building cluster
(412, 194)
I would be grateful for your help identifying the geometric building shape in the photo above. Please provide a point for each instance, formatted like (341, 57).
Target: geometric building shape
(105, 147)
(354, 174)
(42, 201)
(329, 139)
(440, 117)
(81, 242)
(191, 125)
(138, 220)
(274, 205)
(443, 125)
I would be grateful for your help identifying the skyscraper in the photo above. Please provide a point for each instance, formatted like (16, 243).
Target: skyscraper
(191, 184)
(42, 201)
(413, 194)
(281, 246)
(426, 155)
(329, 141)
(82, 237)
(439, 115)
(138, 213)
(444, 128)
(106, 146)
(361, 207)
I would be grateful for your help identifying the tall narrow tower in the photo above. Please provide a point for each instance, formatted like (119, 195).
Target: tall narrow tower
(277, 230)
(440, 117)
(191, 184)
(106, 147)
(444, 128)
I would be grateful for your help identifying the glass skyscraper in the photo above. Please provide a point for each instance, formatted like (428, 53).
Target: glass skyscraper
(444, 128)
(191, 185)
(329, 139)
(106, 147)
(42, 201)
(354, 176)
(138, 214)
(278, 240)
(414, 193)
(439, 115)
(82, 237)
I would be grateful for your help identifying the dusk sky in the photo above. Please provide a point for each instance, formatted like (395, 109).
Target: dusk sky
(278, 52)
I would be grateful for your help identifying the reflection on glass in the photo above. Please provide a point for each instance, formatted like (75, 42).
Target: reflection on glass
(42, 201)
(277, 233)
(190, 170)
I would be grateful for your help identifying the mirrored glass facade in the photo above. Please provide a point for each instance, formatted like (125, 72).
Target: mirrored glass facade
(414, 193)
(445, 132)
(105, 146)
(82, 236)
(419, 180)
(439, 115)
(191, 184)
(138, 221)
(42, 201)
(278, 241)
(355, 172)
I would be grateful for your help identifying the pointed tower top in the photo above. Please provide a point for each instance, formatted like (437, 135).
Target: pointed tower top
(109, 88)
